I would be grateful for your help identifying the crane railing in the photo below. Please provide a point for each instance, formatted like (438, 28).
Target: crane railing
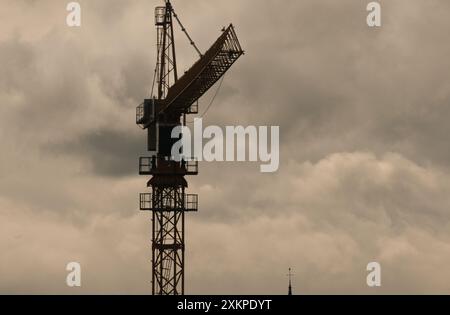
(204, 73)
(190, 203)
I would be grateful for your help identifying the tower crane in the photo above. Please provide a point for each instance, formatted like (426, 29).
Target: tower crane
(172, 99)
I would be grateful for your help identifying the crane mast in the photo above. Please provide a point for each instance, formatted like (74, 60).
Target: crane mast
(166, 66)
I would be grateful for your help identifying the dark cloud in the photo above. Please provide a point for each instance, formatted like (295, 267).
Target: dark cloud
(107, 152)
(364, 171)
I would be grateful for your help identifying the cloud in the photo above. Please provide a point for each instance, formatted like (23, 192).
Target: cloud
(364, 171)
(107, 152)
(327, 220)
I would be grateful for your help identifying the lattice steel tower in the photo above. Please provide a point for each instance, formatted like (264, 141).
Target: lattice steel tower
(175, 98)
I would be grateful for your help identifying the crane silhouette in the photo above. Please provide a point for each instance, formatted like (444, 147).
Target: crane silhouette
(174, 99)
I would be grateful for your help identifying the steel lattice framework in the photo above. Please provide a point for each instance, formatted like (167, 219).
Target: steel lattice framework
(175, 98)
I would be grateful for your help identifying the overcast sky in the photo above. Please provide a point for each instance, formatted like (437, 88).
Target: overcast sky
(365, 158)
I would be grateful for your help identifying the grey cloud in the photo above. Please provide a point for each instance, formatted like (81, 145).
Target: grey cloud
(364, 170)
(107, 152)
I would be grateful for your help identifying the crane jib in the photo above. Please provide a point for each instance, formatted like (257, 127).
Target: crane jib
(197, 80)
(203, 74)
